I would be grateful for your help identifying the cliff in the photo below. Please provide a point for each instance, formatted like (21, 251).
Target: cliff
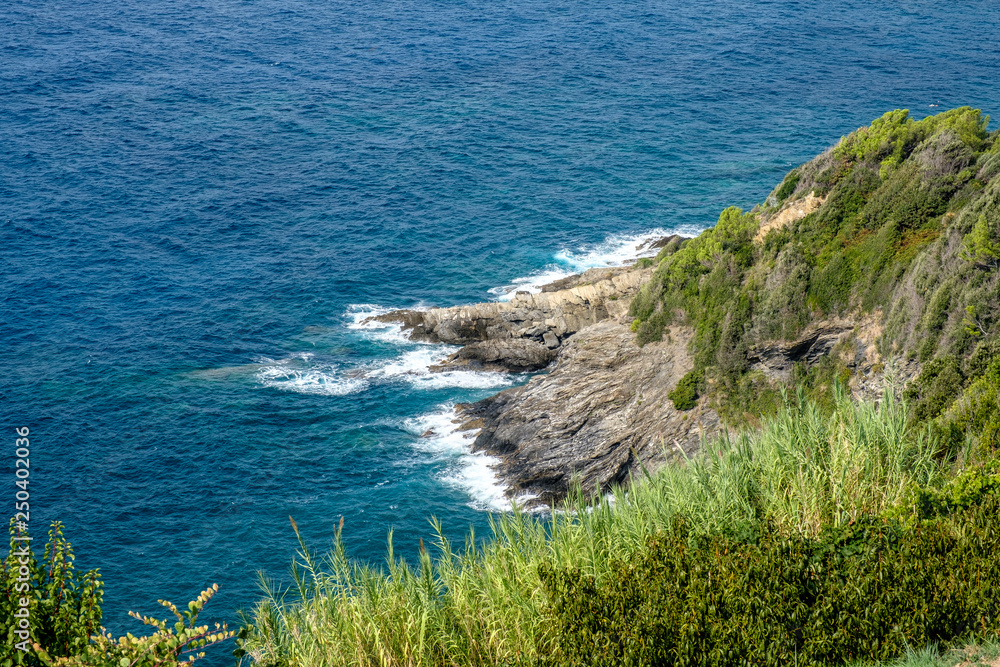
(873, 264)
(601, 413)
(871, 272)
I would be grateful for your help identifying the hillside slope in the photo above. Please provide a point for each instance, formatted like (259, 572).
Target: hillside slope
(829, 531)
(875, 262)
(881, 251)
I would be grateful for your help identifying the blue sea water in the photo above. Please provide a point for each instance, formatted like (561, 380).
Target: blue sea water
(202, 200)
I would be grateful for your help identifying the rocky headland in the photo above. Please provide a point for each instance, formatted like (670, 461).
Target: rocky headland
(873, 265)
(601, 411)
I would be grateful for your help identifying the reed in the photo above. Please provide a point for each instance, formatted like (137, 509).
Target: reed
(481, 604)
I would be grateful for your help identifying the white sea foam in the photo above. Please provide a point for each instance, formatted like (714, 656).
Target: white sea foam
(360, 316)
(323, 380)
(359, 312)
(616, 250)
(413, 366)
(471, 472)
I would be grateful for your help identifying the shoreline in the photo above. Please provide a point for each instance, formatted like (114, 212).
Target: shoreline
(600, 413)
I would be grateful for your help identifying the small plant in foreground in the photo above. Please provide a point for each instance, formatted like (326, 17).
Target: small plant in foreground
(64, 606)
(165, 647)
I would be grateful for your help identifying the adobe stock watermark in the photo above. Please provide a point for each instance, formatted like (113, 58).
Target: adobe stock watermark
(22, 550)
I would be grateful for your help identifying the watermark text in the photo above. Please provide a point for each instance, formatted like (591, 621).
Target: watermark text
(21, 551)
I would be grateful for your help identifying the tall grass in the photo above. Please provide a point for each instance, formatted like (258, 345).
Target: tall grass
(982, 653)
(472, 605)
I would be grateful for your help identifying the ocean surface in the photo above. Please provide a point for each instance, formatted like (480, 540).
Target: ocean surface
(201, 202)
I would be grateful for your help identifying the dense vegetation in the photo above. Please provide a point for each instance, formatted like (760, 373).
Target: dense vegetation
(908, 228)
(864, 591)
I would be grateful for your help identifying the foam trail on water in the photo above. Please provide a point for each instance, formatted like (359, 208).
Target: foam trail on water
(297, 375)
(616, 250)
(412, 364)
(471, 472)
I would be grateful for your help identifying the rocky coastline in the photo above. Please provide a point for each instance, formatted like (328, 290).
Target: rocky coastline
(598, 410)
(599, 413)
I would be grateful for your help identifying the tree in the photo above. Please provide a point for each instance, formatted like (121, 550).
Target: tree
(981, 246)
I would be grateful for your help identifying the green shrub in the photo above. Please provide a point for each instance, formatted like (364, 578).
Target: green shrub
(64, 615)
(936, 388)
(823, 381)
(865, 591)
(788, 186)
(64, 605)
(886, 136)
(685, 394)
(967, 489)
(981, 244)
(935, 316)
(977, 411)
(890, 139)
(780, 311)
(164, 648)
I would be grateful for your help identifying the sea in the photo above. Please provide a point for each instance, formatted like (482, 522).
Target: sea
(202, 202)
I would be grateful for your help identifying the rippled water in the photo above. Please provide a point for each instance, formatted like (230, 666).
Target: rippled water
(203, 200)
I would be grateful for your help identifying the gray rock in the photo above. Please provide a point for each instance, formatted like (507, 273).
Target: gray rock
(561, 313)
(853, 342)
(600, 414)
(517, 355)
(777, 360)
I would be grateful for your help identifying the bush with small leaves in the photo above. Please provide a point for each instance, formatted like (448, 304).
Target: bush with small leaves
(685, 394)
(64, 606)
(170, 645)
(981, 245)
(860, 592)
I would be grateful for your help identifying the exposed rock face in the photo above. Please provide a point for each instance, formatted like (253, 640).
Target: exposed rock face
(517, 355)
(789, 213)
(816, 341)
(548, 318)
(853, 341)
(601, 411)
